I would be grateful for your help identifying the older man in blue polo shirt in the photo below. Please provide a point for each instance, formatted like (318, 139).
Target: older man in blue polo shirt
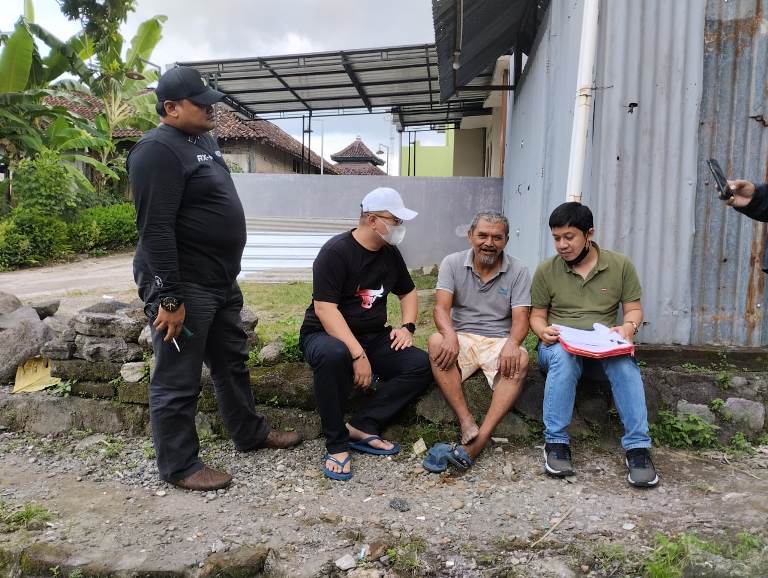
(481, 313)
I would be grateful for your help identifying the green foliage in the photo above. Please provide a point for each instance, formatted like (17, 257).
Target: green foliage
(113, 447)
(290, 349)
(234, 167)
(104, 228)
(44, 184)
(687, 431)
(672, 555)
(29, 517)
(28, 238)
(148, 449)
(430, 432)
(62, 388)
(739, 444)
(406, 556)
(716, 405)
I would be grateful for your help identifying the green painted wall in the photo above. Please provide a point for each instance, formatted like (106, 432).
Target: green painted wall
(431, 161)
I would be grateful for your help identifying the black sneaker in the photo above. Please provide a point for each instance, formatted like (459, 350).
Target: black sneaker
(557, 460)
(642, 474)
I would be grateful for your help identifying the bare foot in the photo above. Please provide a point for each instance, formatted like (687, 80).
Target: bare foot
(357, 435)
(334, 467)
(469, 431)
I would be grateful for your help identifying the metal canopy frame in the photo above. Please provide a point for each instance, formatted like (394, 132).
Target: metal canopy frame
(400, 80)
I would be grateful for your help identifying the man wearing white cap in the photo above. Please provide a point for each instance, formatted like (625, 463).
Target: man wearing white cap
(345, 338)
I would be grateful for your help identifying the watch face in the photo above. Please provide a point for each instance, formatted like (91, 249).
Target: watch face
(169, 303)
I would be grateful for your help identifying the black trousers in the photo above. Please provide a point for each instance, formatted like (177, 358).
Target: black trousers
(213, 315)
(403, 376)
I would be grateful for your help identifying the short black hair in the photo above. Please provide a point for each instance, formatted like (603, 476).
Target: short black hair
(572, 214)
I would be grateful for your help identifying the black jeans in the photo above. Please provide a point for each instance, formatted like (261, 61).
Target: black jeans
(403, 376)
(213, 315)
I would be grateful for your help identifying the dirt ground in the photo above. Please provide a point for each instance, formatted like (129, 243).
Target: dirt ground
(504, 517)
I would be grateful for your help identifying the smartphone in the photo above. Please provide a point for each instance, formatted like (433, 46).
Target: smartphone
(723, 190)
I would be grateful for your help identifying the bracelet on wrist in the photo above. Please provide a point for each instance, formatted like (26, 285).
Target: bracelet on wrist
(362, 355)
(634, 325)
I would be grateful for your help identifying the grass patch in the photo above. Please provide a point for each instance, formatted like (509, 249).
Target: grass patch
(672, 556)
(430, 432)
(112, 448)
(688, 431)
(29, 517)
(281, 307)
(406, 556)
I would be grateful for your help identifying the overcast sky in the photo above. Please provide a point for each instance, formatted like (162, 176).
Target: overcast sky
(198, 30)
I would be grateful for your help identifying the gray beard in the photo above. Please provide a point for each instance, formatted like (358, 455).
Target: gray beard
(488, 259)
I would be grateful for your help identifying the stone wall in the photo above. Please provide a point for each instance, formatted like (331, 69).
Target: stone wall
(105, 353)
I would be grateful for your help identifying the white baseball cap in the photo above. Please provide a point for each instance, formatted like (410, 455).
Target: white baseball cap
(387, 199)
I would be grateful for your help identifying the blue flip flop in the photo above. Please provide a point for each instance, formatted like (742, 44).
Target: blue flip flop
(441, 454)
(460, 458)
(362, 446)
(436, 460)
(339, 476)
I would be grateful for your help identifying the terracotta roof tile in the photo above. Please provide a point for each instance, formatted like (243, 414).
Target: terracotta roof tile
(358, 169)
(88, 107)
(357, 152)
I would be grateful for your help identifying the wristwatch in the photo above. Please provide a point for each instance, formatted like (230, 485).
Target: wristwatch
(410, 327)
(634, 325)
(170, 304)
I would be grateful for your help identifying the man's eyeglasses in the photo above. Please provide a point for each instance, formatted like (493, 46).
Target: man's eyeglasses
(395, 220)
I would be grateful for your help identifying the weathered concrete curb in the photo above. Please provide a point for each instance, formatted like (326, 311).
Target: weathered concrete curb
(36, 560)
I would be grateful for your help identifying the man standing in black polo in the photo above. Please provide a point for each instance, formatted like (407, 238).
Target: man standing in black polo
(191, 238)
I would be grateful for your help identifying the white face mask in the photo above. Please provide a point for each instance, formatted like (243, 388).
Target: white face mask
(395, 233)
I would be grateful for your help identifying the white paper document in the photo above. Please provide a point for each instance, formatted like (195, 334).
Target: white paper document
(600, 340)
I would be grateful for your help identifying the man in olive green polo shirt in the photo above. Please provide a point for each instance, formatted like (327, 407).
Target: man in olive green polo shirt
(582, 285)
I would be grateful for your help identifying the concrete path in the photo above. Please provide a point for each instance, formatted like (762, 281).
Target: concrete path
(111, 275)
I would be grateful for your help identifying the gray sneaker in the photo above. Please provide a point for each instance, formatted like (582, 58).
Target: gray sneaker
(557, 460)
(642, 474)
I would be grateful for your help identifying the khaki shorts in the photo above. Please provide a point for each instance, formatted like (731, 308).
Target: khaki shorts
(480, 352)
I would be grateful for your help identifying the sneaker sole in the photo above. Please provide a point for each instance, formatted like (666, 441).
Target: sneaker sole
(556, 473)
(648, 484)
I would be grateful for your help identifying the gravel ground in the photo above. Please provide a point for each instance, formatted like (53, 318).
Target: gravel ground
(502, 518)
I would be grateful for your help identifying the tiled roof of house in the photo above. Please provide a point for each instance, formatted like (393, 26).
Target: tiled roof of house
(345, 169)
(89, 106)
(357, 152)
(230, 126)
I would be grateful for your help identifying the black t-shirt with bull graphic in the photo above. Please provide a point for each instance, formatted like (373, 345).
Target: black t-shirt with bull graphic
(358, 280)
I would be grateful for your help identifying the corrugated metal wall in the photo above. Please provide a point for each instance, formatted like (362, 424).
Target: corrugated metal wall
(727, 285)
(675, 83)
(642, 160)
(539, 133)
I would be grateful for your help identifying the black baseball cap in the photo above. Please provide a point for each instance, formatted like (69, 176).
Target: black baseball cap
(185, 82)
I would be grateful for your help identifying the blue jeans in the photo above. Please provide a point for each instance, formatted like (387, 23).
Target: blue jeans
(563, 372)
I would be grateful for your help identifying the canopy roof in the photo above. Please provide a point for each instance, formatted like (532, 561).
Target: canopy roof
(401, 80)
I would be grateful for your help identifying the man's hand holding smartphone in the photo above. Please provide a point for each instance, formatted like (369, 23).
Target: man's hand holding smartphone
(742, 193)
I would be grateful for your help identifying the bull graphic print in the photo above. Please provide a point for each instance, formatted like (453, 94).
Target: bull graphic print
(369, 296)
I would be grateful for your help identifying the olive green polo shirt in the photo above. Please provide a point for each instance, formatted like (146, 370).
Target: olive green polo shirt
(578, 302)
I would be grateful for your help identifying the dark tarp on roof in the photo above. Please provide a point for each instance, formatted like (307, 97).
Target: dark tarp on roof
(480, 31)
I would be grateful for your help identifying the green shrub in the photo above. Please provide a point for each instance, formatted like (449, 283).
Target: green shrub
(28, 237)
(290, 350)
(687, 431)
(44, 185)
(104, 228)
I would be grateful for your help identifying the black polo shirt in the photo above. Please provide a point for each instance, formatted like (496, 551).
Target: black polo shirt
(190, 220)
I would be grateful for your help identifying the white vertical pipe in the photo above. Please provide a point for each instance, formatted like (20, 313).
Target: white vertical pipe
(582, 108)
(322, 141)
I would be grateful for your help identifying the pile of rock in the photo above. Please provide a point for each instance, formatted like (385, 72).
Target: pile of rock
(23, 332)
